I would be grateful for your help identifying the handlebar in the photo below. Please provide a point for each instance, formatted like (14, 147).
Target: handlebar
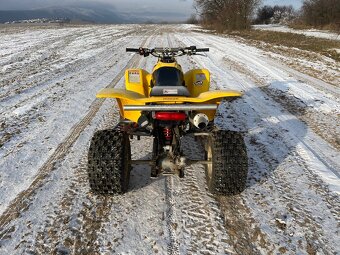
(167, 52)
(132, 50)
(202, 50)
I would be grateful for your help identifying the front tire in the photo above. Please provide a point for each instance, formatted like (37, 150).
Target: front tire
(109, 164)
(227, 173)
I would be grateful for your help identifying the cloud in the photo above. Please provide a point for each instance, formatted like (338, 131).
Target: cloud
(36, 4)
(146, 9)
(179, 5)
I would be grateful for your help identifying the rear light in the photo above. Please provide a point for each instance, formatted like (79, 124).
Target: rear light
(177, 116)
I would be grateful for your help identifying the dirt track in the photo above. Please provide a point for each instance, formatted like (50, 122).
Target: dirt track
(49, 113)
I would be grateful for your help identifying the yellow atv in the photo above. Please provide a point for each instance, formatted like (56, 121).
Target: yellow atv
(167, 105)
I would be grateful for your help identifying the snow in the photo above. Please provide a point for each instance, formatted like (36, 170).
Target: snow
(43, 136)
(308, 32)
(48, 114)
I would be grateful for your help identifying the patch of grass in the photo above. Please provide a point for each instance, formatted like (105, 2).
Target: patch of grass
(333, 27)
(323, 46)
(300, 26)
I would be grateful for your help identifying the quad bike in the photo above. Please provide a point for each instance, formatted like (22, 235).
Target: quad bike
(167, 105)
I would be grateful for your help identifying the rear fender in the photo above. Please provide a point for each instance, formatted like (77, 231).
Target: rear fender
(130, 98)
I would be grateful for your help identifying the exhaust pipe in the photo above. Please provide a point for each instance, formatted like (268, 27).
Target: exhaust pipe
(200, 120)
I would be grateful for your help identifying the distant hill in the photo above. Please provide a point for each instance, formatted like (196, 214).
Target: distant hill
(90, 13)
(97, 15)
(149, 16)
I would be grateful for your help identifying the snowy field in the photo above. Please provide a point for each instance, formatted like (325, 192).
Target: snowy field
(48, 114)
(308, 32)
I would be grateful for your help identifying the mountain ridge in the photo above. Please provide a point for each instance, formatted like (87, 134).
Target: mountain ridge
(95, 14)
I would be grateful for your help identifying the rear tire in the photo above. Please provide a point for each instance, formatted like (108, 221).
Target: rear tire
(109, 164)
(227, 173)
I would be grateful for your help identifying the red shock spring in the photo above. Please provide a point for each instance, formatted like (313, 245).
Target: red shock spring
(167, 133)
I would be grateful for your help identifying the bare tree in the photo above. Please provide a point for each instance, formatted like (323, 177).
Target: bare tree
(227, 14)
(193, 19)
(321, 13)
(264, 15)
(282, 14)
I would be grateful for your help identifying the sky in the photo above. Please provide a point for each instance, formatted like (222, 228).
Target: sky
(183, 6)
(151, 5)
(295, 3)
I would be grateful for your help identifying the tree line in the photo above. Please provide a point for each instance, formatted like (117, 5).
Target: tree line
(275, 14)
(321, 13)
(240, 14)
(226, 14)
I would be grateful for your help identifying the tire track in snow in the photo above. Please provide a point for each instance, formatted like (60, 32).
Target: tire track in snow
(172, 221)
(95, 218)
(71, 221)
(322, 123)
(22, 202)
(50, 60)
(237, 217)
(77, 221)
(43, 83)
(46, 60)
(94, 215)
(325, 159)
(266, 161)
(197, 215)
(171, 217)
(284, 193)
(314, 119)
(202, 225)
(15, 125)
(238, 225)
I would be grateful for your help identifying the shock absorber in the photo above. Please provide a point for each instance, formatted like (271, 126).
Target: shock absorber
(167, 133)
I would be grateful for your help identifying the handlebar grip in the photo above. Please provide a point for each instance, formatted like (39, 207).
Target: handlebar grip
(202, 50)
(132, 50)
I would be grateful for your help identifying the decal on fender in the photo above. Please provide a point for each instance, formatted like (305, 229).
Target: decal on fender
(199, 79)
(134, 76)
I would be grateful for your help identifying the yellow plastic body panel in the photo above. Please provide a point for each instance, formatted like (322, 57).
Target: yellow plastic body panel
(161, 64)
(197, 81)
(127, 97)
(138, 84)
(137, 80)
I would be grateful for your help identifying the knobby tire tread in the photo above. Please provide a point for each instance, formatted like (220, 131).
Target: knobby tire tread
(108, 157)
(229, 162)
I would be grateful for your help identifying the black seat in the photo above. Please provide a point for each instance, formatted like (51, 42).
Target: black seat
(168, 81)
(168, 76)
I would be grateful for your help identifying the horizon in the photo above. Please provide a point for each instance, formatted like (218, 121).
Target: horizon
(121, 5)
(152, 10)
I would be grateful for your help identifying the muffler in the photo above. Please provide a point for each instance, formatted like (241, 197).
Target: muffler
(200, 120)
